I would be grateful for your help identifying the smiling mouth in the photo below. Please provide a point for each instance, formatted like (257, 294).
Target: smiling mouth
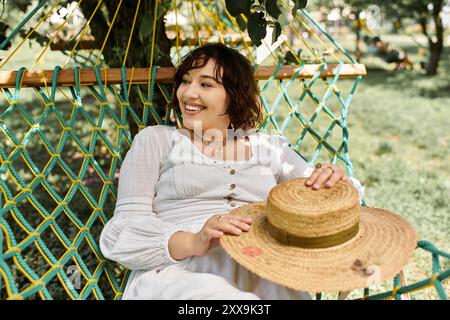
(193, 109)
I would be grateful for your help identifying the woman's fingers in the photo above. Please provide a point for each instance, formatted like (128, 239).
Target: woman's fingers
(232, 224)
(225, 227)
(335, 177)
(324, 175)
(312, 179)
(240, 224)
(237, 220)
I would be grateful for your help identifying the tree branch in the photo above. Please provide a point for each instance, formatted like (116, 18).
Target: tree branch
(424, 26)
(437, 8)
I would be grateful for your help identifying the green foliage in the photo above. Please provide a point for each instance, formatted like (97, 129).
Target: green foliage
(145, 29)
(277, 32)
(3, 28)
(241, 23)
(22, 5)
(383, 148)
(426, 13)
(8, 11)
(299, 4)
(257, 27)
(272, 8)
(237, 7)
(260, 14)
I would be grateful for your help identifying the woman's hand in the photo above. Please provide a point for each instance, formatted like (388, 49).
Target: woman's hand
(215, 227)
(326, 175)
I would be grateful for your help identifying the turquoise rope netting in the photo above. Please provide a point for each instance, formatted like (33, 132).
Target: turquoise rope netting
(78, 254)
(61, 149)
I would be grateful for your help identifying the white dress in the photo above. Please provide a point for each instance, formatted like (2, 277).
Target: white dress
(166, 185)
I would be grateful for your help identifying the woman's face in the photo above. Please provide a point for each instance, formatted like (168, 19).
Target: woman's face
(203, 101)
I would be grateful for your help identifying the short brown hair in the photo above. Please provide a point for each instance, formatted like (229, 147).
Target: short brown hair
(244, 107)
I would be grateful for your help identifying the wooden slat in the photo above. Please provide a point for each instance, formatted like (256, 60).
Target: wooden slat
(309, 70)
(35, 78)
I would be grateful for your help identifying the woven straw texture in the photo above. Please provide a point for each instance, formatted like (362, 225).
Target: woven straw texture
(311, 213)
(380, 250)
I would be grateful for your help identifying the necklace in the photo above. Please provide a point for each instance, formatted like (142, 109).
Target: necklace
(207, 142)
(218, 146)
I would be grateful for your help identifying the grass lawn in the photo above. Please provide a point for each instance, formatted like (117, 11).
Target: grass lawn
(399, 144)
(400, 148)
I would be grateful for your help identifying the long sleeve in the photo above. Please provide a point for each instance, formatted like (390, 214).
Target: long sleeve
(293, 166)
(135, 237)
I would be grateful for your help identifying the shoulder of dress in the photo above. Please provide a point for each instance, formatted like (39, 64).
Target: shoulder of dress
(157, 132)
(160, 136)
(157, 129)
(274, 140)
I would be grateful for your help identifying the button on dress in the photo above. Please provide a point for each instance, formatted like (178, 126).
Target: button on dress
(167, 185)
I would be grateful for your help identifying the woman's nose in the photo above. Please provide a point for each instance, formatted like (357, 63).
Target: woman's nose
(191, 91)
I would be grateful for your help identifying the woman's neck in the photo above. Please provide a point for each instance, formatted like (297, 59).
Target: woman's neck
(212, 135)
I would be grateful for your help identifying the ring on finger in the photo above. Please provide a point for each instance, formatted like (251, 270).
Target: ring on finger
(332, 171)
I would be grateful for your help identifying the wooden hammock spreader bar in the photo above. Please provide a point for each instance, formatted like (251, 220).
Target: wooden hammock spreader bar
(35, 78)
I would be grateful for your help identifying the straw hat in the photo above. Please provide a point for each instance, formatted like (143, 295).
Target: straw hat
(321, 240)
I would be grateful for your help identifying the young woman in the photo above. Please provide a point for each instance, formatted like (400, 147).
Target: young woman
(178, 187)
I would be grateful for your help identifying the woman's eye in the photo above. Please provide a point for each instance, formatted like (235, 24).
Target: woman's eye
(206, 85)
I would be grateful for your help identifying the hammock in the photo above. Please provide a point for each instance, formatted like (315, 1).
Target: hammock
(66, 129)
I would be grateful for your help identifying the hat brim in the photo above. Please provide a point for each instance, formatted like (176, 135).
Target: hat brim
(383, 246)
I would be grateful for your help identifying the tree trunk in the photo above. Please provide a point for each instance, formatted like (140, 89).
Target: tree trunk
(358, 28)
(433, 61)
(140, 48)
(435, 47)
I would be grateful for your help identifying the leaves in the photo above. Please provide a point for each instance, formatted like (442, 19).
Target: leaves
(283, 19)
(258, 8)
(145, 29)
(257, 27)
(42, 39)
(3, 27)
(260, 15)
(237, 7)
(22, 5)
(3, 35)
(241, 23)
(276, 32)
(272, 8)
(299, 4)
(289, 58)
